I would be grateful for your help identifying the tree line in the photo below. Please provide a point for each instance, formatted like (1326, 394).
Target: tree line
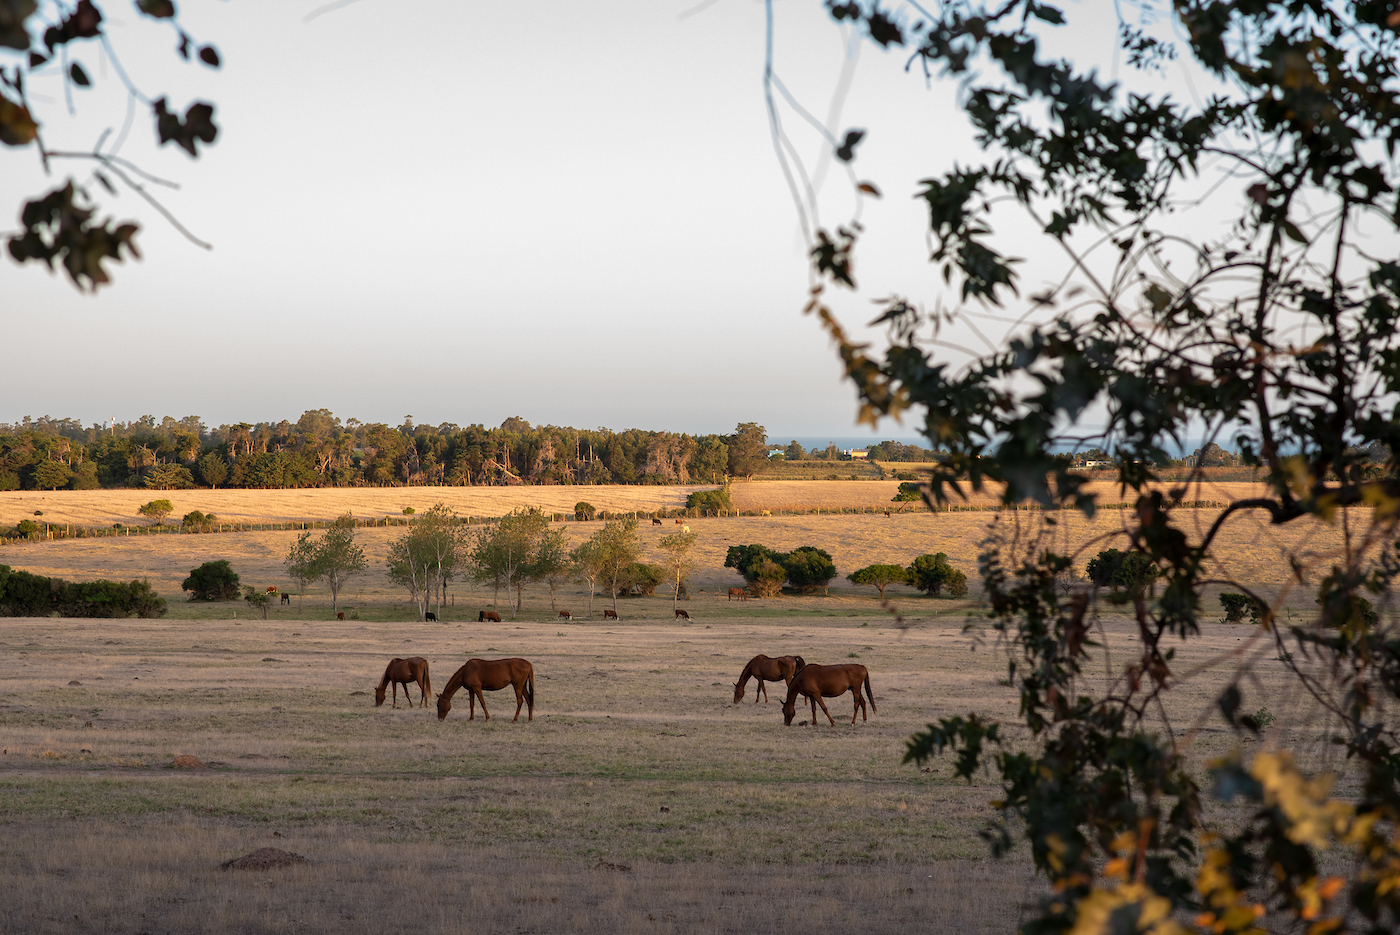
(321, 450)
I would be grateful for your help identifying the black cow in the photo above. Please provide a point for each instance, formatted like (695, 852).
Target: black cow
(430, 616)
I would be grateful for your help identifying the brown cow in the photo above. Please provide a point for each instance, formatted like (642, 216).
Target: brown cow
(340, 615)
(609, 614)
(678, 522)
(740, 593)
(488, 615)
(655, 521)
(682, 613)
(272, 589)
(566, 615)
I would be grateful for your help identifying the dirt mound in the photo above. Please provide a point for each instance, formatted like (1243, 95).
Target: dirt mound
(264, 858)
(185, 761)
(75, 682)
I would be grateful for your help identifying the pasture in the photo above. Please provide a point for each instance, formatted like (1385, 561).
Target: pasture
(724, 819)
(641, 798)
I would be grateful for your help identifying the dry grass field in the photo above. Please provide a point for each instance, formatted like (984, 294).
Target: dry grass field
(639, 800)
(105, 507)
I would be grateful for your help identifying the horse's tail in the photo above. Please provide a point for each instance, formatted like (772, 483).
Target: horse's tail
(870, 694)
(427, 682)
(530, 691)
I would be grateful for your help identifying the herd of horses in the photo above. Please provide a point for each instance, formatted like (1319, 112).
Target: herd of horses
(478, 676)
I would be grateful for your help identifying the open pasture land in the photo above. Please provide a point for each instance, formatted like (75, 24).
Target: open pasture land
(641, 799)
(1248, 551)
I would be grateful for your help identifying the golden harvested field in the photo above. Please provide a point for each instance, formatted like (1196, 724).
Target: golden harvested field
(105, 507)
(640, 799)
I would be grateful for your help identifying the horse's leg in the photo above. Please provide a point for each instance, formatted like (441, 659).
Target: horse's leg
(519, 701)
(762, 687)
(486, 715)
(396, 693)
(471, 704)
(859, 706)
(822, 701)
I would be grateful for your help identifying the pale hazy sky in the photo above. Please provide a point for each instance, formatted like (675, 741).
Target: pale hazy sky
(466, 210)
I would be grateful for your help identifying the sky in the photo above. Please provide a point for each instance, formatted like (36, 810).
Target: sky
(467, 211)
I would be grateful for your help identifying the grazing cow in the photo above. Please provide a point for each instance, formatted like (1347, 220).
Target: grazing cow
(272, 589)
(340, 615)
(286, 599)
(609, 614)
(887, 513)
(678, 522)
(488, 615)
(685, 529)
(740, 593)
(430, 616)
(682, 613)
(655, 521)
(566, 615)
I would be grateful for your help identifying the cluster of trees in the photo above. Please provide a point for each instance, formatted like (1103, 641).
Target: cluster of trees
(931, 574)
(806, 568)
(23, 594)
(319, 450)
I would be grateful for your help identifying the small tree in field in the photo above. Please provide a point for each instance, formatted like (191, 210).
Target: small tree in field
(212, 581)
(678, 561)
(257, 599)
(156, 510)
(879, 576)
(337, 558)
(586, 567)
(301, 564)
(618, 545)
(933, 575)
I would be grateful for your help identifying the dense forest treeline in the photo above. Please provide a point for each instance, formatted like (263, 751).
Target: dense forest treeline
(319, 450)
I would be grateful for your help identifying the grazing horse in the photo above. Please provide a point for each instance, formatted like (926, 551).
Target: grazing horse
(566, 615)
(767, 669)
(609, 614)
(815, 682)
(405, 672)
(340, 615)
(655, 521)
(489, 675)
(682, 613)
(740, 593)
(429, 615)
(488, 615)
(287, 599)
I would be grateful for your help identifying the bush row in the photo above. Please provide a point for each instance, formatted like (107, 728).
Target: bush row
(23, 594)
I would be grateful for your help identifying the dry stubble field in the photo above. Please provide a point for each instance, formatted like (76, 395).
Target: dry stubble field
(725, 820)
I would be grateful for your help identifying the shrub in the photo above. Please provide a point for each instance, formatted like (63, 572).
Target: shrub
(907, 491)
(767, 580)
(1238, 605)
(809, 568)
(641, 578)
(212, 581)
(905, 475)
(584, 510)
(933, 575)
(26, 527)
(27, 595)
(745, 559)
(257, 599)
(197, 518)
(409, 511)
(712, 500)
(1122, 571)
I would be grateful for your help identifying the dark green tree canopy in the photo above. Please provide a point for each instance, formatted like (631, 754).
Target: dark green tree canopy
(212, 581)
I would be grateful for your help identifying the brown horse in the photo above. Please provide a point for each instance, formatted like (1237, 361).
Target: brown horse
(405, 672)
(815, 682)
(488, 615)
(489, 675)
(767, 669)
(739, 593)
